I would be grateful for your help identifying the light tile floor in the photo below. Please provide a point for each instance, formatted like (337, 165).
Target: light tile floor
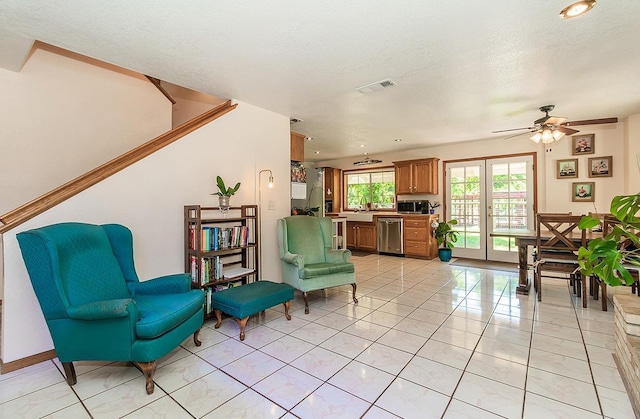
(427, 340)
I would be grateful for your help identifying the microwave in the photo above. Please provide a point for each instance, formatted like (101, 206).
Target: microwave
(413, 207)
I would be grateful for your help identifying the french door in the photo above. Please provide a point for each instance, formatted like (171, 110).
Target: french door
(486, 196)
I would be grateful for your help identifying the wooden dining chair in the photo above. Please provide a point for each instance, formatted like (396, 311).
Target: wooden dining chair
(558, 239)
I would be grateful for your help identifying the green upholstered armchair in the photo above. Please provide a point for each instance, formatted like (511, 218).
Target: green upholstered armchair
(95, 306)
(308, 262)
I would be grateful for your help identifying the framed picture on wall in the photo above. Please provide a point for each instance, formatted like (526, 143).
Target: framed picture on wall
(567, 168)
(583, 144)
(600, 166)
(583, 191)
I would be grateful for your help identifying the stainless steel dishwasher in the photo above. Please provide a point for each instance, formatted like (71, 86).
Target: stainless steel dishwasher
(390, 233)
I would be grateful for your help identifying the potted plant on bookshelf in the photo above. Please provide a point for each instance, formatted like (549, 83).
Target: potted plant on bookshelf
(446, 236)
(224, 195)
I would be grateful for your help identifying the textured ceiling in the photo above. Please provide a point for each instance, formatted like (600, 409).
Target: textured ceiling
(462, 68)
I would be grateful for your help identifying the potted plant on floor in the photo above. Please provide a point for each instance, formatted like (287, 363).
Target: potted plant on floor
(609, 256)
(446, 236)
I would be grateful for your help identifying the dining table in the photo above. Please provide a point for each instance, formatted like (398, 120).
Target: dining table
(528, 238)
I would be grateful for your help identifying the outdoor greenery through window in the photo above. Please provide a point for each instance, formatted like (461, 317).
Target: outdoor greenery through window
(376, 187)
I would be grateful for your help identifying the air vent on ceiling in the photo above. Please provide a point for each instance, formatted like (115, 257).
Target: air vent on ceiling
(379, 85)
(295, 120)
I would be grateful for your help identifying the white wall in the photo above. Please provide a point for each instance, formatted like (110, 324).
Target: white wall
(149, 196)
(553, 194)
(64, 115)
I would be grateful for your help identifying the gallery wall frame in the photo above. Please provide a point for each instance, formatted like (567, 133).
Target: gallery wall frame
(601, 166)
(567, 168)
(583, 191)
(583, 144)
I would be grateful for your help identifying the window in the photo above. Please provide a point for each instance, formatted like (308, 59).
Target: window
(376, 187)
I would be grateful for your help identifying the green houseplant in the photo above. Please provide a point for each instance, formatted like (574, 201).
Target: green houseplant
(446, 236)
(223, 190)
(224, 194)
(607, 256)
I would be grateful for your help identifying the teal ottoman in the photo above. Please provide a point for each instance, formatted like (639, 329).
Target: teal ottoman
(246, 300)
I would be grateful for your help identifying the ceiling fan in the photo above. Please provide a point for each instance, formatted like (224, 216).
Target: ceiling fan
(552, 128)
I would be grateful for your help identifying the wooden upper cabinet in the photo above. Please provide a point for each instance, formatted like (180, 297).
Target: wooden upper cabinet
(332, 187)
(417, 176)
(297, 147)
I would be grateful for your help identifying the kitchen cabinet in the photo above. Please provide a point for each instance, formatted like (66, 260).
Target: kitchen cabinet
(419, 240)
(297, 147)
(332, 187)
(361, 235)
(417, 176)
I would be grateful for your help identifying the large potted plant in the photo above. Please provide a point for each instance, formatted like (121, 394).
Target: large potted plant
(446, 236)
(606, 257)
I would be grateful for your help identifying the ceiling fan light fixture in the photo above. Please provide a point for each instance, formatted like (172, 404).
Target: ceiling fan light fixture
(547, 137)
(576, 9)
(557, 135)
(536, 137)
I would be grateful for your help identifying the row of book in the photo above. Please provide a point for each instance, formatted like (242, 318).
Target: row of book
(212, 269)
(218, 238)
(209, 292)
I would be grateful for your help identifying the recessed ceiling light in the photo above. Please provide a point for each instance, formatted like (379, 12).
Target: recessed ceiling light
(397, 140)
(317, 152)
(308, 138)
(361, 145)
(365, 153)
(578, 8)
(295, 120)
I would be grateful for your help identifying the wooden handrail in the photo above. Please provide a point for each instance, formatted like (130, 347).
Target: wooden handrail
(156, 82)
(29, 210)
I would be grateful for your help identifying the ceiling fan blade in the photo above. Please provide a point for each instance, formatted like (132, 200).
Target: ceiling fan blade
(514, 129)
(517, 135)
(556, 120)
(567, 131)
(591, 122)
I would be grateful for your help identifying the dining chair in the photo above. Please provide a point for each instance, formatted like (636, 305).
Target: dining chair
(558, 239)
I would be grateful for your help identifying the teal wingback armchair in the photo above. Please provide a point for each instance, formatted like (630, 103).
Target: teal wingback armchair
(308, 261)
(94, 304)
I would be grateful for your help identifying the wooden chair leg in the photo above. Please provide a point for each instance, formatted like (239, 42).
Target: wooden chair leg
(604, 295)
(287, 305)
(355, 300)
(195, 338)
(70, 372)
(148, 369)
(218, 314)
(538, 284)
(306, 303)
(242, 323)
(583, 282)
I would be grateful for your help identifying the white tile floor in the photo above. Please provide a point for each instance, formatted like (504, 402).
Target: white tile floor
(426, 340)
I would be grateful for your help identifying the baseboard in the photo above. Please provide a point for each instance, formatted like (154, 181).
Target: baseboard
(25, 362)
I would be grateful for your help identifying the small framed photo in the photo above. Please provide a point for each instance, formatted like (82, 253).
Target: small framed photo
(583, 144)
(600, 166)
(567, 169)
(583, 191)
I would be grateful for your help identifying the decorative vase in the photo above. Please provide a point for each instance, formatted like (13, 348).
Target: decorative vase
(444, 254)
(432, 211)
(224, 205)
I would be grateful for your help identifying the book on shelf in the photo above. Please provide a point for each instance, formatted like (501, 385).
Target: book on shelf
(218, 238)
(236, 271)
